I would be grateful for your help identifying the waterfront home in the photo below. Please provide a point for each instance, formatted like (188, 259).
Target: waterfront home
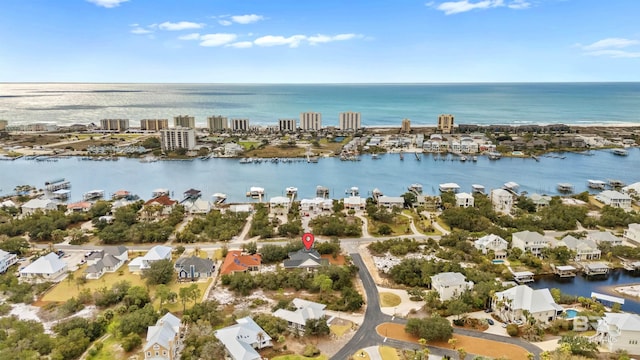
(449, 187)
(34, 205)
(304, 310)
(450, 285)
(159, 206)
(154, 254)
(317, 204)
(464, 200)
(540, 201)
(529, 241)
(615, 199)
(619, 332)
(604, 237)
(279, 205)
(632, 233)
(46, 268)
(7, 259)
(197, 206)
(390, 201)
(631, 189)
(429, 202)
(243, 339)
(502, 201)
(236, 261)
(355, 203)
(305, 259)
(493, 243)
(585, 249)
(512, 304)
(163, 339)
(194, 268)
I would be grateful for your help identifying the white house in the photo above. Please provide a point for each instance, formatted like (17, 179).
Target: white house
(529, 241)
(279, 204)
(391, 201)
(464, 200)
(585, 249)
(604, 237)
(450, 285)
(632, 189)
(6, 260)
(156, 253)
(510, 305)
(163, 339)
(615, 199)
(34, 205)
(619, 332)
(197, 206)
(317, 204)
(48, 267)
(355, 202)
(493, 243)
(110, 259)
(632, 233)
(7, 204)
(243, 339)
(502, 201)
(305, 310)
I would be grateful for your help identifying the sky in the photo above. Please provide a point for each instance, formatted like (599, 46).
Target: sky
(328, 41)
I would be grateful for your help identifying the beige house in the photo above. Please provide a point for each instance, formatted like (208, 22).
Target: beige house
(163, 339)
(502, 201)
(450, 285)
(513, 304)
(632, 233)
(529, 241)
(585, 249)
(619, 332)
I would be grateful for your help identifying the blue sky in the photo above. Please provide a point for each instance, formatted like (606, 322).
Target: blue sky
(329, 41)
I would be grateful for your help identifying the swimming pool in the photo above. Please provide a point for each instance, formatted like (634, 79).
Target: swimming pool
(571, 313)
(498, 261)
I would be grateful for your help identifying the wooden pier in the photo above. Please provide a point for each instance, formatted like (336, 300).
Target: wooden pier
(58, 184)
(596, 269)
(564, 271)
(523, 277)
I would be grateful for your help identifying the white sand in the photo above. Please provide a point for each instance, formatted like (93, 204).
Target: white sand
(631, 290)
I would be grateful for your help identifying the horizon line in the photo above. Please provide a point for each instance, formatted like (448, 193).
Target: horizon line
(325, 83)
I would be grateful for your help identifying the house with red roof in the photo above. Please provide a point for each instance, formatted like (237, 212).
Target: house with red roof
(158, 206)
(236, 261)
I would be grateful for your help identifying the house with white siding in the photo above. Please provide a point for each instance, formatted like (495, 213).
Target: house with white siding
(242, 340)
(512, 304)
(619, 332)
(304, 310)
(632, 233)
(615, 199)
(502, 201)
(464, 200)
(450, 285)
(529, 241)
(493, 243)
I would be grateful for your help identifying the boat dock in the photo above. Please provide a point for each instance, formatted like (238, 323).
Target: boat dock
(477, 189)
(523, 277)
(57, 184)
(596, 184)
(596, 269)
(256, 192)
(633, 267)
(564, 271)
(93, 195)
(565, 187)
(322, 192)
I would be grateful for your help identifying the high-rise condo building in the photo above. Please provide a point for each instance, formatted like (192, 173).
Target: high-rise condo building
(287, 124)
(217, 123)
(239, 124)
(118, 125)
(184, 121)
(445, 123)
(154, 124)
(177, 138)
(406, 126)
(310, 121)
(350, 121)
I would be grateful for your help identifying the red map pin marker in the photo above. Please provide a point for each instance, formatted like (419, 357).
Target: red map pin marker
(307, 240)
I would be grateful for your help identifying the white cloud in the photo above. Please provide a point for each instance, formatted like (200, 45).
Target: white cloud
(140, 31)
(246, 19)
(271, 40)
(611, 47)
(181, 25)
(318, 39)
(225, 22)
(217, 39)
(460, 6)
(616, 43)
(107, 3)
(241, 44)
(192, 36)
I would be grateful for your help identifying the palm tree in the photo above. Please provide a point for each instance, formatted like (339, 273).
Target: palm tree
(462, 354)
(260, 337)
(453, 342)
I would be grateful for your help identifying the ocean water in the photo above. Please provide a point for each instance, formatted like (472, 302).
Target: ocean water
(379, 104)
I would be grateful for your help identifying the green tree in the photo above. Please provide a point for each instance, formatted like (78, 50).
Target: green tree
(433, 328)
(580, 345)
(159, 272)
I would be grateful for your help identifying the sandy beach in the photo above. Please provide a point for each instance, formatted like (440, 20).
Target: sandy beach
(629, 290)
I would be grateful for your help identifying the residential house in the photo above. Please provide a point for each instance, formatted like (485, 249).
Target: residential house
(317, 204)
(540, 201)
(46, 268)
(7, 259)
(163, 339)
(450, 285)
(529, 241)
(512, 304)
(81, 206)
(34, 205)
(391, 201)
(585, 249)
(279, 205)
(158, 206)
(502, 201)
(197, 206)
(355, 203)
(156, 253)
(305, 259)
(615, 199)
(464, 200)
(632, 233)
(493, 243)
(194, 268)
(631, 189)
(110, 259)
(604, 237)
(304, 310)
(236, 261)
(619, 332)
(429, 202)
(243, 339)
(7, 204)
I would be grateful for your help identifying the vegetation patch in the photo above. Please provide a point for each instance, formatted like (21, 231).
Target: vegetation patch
(339, 330)
(388, 353)
(300, 357)
(388, 299)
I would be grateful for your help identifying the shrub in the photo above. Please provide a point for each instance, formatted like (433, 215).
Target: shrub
(131, 341)
(512, 330)
(310, 351)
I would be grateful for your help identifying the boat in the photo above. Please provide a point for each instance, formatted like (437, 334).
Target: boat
(596, 184)
(463, 158)
(620, 152)
(375, 157)
(246, 161)
(416, 188)
(614, 184)
(494, 155)
(93, 195)
(474, 158)
(565, 187)
(148, 159)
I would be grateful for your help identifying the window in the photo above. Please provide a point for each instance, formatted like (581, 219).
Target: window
(149, 353)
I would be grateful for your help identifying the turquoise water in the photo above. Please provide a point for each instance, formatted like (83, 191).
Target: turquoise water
(497, 261)
(379, 104)
(571, 313)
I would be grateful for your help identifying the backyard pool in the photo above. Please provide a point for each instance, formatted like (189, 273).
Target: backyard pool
(498, 261)
(571, 313)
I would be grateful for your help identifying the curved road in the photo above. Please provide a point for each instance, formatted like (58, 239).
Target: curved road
(366, 335)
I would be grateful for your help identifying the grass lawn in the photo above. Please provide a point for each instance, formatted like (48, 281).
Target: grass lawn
(388, 299)
(110, 350)
(247, 144)
(388, 353)
(339, 330)
(399, 227)
(300, 357)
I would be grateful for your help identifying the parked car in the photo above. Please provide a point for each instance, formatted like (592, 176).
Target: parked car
(488, 310)
(490, 321)
(518, 322)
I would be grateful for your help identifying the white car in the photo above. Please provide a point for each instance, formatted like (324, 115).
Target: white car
(518, 322)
